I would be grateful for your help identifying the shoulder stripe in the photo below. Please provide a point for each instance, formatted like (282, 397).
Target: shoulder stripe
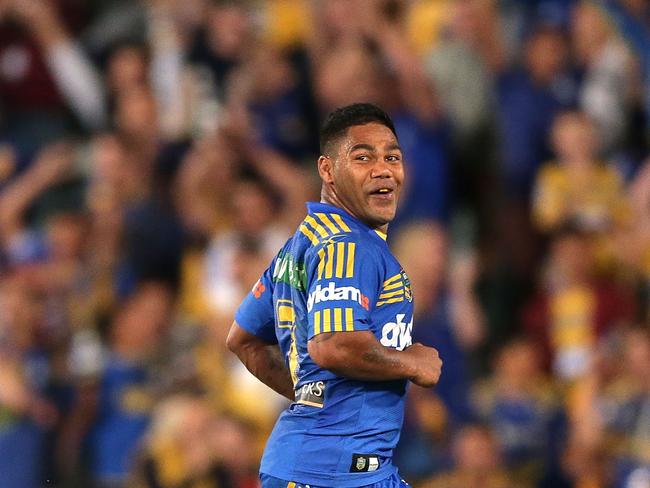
(349, 319)
(391, 294)
(321, 263)
(340, 259)
(317, 322)
(337, 218)
(310, 235)
(327, 320)
(349, 265)
(316, 226)
(328, 223)
(394, 286)
(392, 279)
(329, 265)
(338, 320)
(390, 300)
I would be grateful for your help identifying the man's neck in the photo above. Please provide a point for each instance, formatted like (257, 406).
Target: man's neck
(331, 198)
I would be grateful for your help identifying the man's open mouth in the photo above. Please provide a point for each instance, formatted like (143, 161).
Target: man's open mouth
(382, 191)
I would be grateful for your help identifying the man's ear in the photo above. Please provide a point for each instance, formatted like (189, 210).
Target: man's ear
(326, 169)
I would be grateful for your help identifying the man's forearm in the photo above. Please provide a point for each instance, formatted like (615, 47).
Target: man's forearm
(365, 359)
(266, 363)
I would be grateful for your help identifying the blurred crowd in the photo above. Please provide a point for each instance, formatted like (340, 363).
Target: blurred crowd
(154, 156)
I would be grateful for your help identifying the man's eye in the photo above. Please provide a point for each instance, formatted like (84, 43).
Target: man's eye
(362, 157)
(393, 157)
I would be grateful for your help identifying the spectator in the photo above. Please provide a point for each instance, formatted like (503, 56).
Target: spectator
(573, 308)
(476, 462)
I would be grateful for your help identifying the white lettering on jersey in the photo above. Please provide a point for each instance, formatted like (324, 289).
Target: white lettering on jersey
(397, 334)
(333, 293)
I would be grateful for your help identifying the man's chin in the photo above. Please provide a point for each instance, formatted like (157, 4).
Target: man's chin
(383, 218)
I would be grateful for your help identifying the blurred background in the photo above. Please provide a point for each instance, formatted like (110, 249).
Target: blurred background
(154, 156)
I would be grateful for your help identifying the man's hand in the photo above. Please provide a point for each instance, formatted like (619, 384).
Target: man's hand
(429, 364)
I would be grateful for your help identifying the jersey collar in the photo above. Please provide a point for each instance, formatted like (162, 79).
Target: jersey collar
(314, 207)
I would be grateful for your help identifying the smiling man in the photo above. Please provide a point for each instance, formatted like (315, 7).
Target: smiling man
(328, 325)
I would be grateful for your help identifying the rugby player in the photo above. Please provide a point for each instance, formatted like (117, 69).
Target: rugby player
(328, 325)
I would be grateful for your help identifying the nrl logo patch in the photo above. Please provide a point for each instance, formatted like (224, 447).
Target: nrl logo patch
(408, 294)
(364, 463)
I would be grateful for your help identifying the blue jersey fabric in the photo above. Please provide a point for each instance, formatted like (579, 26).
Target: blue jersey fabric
(391, 482)
(334, 275)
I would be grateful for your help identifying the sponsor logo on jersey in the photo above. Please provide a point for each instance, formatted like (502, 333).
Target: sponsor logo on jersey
(408, 294)
(312, 394)
(362, 463)
(331, 292)
(258, 289)
(397, 334)
(288, 270)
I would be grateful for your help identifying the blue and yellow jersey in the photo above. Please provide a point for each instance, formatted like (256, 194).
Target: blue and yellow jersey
(334, 275)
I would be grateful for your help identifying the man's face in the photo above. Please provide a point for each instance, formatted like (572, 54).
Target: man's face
(367, 173)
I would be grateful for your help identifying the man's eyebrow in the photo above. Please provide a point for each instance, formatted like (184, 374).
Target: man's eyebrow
(361, 145)
(394, 147)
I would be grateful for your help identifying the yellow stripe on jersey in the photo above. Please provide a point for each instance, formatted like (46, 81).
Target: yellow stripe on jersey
(310, 235)
(285, 314)
(349, 320)
(391, 294)
(317, 322)
(337, 218)
(340, 258)
(391, 300)
(291, 484)
(392, 279)
(338, 321)
(328, 223)
(393, 286)
(316, 226)
(293, 357)
(329, 265)
(321, 263)
(327, 320)
(349, 267)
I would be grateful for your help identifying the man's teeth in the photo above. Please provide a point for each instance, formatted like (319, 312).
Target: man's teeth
(384, 190)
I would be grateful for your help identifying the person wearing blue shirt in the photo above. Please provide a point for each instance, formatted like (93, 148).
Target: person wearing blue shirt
(328, 325)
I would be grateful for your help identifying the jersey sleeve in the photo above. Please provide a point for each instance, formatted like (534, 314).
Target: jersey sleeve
(255, 314)
(343, 284)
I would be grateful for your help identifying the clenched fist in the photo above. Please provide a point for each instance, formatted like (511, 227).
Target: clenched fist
(428, 364)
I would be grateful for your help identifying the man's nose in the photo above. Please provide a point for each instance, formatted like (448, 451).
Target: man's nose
(381, 169)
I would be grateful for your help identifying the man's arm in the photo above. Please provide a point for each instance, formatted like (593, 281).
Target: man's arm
(359, 355)
(264, 360)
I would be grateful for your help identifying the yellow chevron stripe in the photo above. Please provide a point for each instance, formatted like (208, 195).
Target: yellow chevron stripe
(391, 300)
(317, 322)
(327, 320)
(393, 286)
(337, 218)
(349, 320)
(338, 321)
(381, 234)
(317, 227)
(340, 258)
(391, 294)
(349, 268)
(291, 484)
(293, 357)
(305, 230)
(321, 263)
(329, 265)
(392, 278)
(328, 223)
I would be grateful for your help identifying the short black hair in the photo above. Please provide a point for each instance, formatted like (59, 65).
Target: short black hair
(340, 120)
